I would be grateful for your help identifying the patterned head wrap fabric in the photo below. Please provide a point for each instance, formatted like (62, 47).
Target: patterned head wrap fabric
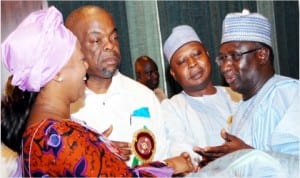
(37, 49)
(246, 26)
(180, 35)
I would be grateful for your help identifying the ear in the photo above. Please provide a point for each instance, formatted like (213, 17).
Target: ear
(173, 74)
(263, 55)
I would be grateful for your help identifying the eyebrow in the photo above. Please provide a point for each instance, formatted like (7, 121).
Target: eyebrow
(96, 31)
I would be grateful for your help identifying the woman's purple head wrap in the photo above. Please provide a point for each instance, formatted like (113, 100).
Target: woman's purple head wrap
(37, 49)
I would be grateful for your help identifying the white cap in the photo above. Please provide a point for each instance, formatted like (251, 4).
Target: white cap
(180, 35)
(246, 26)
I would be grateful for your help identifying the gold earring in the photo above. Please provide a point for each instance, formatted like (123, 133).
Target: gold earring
(59, 79)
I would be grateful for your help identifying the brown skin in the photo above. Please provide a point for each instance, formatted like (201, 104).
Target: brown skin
(181, 164)
(190, 66)
(232, 143)
(249, 74)
(246, 76)
(147, 72)
(97, 33)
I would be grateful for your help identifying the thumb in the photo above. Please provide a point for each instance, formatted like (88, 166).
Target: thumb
(185, 155)
(108, 131)
(225, 135)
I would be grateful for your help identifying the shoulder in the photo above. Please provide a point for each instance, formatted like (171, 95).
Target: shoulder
(234, 96)
(130, 85)
(281, 86)
(281, 89)
(128, 81)
(177, 99)
(277, 95)
(283, 81)
(52, 126)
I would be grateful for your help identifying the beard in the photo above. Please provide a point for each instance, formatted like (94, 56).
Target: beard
(108, 73)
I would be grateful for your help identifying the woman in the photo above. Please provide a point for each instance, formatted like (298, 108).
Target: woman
(48, 73)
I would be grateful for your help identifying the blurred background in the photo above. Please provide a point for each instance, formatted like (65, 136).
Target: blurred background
(143, 26)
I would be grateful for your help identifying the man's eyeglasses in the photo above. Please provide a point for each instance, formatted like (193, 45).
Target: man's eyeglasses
(236, 56)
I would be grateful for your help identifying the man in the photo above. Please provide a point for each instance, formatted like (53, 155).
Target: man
(268, 117)
(113, 99)
(147, 73)
(198, 113)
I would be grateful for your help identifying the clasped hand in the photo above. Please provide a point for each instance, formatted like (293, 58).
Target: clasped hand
(182, 164)
(124, 147)
(231, 144)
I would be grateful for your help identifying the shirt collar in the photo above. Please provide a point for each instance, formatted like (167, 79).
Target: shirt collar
(114, 88)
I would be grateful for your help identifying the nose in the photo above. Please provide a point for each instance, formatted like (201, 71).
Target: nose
(226, 65)
(108, 45)
(191, 62)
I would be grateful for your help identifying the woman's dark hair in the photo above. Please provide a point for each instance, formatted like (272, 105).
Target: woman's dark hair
(15, 109)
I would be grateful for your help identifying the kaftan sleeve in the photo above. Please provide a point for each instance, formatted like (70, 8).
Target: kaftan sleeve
(288, 140)
(179, 134)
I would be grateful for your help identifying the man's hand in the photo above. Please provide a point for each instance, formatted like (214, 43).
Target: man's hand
(108, 131)
(232, 143)
(124, 147)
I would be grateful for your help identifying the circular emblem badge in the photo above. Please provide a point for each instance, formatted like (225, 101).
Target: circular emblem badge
(143, 145)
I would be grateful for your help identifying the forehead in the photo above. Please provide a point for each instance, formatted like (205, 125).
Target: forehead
(186, 49)
(97, 22)
(232, 45)
(146, 65)
(189, 46)
(150, 65)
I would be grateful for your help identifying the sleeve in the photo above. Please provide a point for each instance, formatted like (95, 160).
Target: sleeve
(252, 163)
(162, 145)
(276, 118)
(179, 134)
(286, 136)
(151, 169)
(70, 150)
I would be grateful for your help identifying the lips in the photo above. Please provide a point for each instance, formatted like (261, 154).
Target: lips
(110, 60)
(229, 77)
(195, 74)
